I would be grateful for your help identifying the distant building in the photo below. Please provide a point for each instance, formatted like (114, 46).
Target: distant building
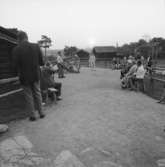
(105, 52)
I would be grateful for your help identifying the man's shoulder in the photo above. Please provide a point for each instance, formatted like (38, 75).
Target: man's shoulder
(16, 49)
(33, 44)
(24, 44)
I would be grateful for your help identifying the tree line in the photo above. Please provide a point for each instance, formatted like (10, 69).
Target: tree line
(155, 47)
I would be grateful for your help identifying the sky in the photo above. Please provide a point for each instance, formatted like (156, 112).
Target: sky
(85, 23)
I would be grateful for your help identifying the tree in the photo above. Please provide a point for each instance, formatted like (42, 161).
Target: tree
(83, 54)
(70, 51)
(45, 42)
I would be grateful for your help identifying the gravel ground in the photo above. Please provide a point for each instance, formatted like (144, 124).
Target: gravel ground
(99, 122)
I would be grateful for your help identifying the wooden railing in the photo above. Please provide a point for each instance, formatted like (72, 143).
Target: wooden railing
(100, 62)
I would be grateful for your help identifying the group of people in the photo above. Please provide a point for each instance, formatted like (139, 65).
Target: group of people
(132, 73)
(35, 75)
(116, 63)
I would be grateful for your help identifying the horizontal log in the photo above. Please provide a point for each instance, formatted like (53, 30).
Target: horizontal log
(158, 79)
(8, 39)
(6, 64)
(7, 80)
(11, 92)
(5, 76)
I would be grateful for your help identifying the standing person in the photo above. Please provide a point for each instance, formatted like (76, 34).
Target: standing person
(149, 64)
(114, 63)
(142, 59)
(77, 62)
(92, 61)
(27, 59)
(124, 63)
(60, 66)
(89, 61)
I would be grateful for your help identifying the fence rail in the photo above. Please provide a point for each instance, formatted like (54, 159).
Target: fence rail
(100, 62)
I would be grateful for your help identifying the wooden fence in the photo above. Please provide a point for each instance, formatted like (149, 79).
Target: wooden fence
(100, 63)
(154, 83)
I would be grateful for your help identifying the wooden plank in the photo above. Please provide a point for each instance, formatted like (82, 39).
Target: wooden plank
(4, 59)
(13, 107)
(10, 93)
(4, 76)
(5, 65)
(2, 81)
(158, 79)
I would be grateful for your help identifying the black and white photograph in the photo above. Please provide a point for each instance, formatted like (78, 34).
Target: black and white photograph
(82, 83)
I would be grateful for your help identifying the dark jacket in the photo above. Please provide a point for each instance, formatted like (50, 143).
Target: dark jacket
(27, 59)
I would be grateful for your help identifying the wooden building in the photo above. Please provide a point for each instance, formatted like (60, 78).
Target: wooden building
(104, 52)
(104, 56)
(11, 97)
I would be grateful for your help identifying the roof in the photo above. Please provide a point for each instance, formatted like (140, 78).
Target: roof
(104, 49)
(8, 35)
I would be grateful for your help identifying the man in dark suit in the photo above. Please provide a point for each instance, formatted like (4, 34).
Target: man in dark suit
(27, 59)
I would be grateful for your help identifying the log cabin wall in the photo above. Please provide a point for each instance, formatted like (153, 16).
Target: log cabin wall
(6, 59)
(7, 76)
(12, 104)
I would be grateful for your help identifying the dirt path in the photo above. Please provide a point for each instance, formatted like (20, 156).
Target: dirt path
(97, 121)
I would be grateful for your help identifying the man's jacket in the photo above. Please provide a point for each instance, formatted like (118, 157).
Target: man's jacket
(27, 59)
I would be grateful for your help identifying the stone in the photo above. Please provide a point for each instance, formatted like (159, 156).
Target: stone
(2, 164)
(3, 128)
(161, 163)
(38, 160)
(27, 162)
(107, 164)
(9, 149)
(67, 159)
(17, 151)
(87, 150)
(158, 138)
(23, 142)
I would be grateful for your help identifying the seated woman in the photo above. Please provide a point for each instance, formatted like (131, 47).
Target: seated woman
(129, 73)
(125, 68)
(47, 80)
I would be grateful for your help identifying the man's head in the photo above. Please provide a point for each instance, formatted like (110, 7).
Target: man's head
(22, 36)
(139, 63)
(59, 53)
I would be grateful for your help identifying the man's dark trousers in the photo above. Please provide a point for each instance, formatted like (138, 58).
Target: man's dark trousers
(33, 98)
(60, 71)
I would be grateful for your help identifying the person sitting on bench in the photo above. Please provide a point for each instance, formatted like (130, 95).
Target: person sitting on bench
(47, 80)
(131, 75)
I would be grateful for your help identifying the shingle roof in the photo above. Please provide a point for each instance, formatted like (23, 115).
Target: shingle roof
(104, 49)
(7, 35)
